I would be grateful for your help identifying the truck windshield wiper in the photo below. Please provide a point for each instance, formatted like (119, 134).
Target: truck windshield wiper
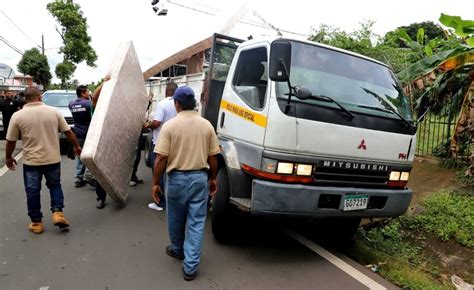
(331, 100)
(391, 110)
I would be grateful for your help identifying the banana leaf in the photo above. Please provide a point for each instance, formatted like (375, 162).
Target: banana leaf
(461, 27)
(428, 64)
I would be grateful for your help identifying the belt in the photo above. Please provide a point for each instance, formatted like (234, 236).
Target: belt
(187, 171)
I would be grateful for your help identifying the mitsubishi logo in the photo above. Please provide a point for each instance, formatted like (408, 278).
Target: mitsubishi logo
(362, 145)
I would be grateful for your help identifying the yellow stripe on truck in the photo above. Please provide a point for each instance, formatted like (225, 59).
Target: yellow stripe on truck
(245, 114)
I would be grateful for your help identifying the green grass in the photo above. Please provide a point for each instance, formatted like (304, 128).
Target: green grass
(448, 215)
(395, 245)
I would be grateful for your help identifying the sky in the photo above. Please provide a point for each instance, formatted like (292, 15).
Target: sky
(22, 22)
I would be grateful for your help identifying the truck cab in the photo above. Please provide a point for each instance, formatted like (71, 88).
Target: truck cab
(307, 130)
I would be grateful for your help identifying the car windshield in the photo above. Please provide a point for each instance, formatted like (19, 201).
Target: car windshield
(58, 99)
(359, 84)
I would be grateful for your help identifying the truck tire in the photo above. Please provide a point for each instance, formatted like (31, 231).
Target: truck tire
(223, 213)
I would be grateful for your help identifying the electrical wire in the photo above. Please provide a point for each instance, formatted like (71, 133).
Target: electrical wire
(248, 22)
(3, 12)
(10, 45)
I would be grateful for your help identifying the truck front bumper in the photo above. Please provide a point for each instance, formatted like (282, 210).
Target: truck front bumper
(270, 198)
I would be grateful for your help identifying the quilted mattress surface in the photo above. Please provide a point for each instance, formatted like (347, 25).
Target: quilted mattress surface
(112, 139)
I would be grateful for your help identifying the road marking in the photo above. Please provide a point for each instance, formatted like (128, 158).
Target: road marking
(4, 169)
(336, 261)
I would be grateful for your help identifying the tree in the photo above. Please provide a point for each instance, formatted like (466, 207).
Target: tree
(431, 31)
(363, 41)
(447, 78)
(73, 31)
(35, 64)
(64, 72)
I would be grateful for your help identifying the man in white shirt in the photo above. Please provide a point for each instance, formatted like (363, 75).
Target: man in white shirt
(165, 111)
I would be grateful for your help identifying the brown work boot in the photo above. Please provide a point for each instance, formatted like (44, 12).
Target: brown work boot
(59, 220)
(36, 227)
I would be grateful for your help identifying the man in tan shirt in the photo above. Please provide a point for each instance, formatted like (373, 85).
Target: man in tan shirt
(187, 147)
(37, 125)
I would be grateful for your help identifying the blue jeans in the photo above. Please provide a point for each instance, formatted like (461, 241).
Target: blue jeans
(80, 167)
(152, 158)
(32, 176)
(187, 194)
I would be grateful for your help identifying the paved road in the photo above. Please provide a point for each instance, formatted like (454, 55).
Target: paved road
(122, 247)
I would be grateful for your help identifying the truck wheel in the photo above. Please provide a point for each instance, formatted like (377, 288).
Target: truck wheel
(223, 213)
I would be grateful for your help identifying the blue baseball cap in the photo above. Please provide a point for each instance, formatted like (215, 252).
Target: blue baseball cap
(184, 94)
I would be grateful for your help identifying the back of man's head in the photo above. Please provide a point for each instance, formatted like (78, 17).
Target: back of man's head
(31, 94)
(185, 97)
(170, 88)
(80, 90)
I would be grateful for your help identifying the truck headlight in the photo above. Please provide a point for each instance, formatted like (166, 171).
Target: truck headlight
(394, 176)
(285, 168)
(304, 169)
(404, 176)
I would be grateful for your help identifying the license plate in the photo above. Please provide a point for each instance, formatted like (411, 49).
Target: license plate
(355, 202)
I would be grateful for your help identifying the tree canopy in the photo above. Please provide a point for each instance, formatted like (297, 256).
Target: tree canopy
(35, 64)
(73, 31)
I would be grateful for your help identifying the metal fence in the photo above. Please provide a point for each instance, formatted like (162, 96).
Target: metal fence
(434, 132)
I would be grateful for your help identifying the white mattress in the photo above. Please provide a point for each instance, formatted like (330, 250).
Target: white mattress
(109, 149)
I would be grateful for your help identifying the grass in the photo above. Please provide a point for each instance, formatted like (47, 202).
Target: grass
(448, 215)
(395, 245)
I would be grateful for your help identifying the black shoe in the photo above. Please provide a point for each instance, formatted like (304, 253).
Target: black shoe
(171, 253)
(79, 183)
(136, 179)
(189, 277)
(100, 204)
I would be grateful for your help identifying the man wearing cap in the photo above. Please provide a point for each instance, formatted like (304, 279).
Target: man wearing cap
(187, 147)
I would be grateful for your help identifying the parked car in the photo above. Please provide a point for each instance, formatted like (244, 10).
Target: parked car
(60, 99)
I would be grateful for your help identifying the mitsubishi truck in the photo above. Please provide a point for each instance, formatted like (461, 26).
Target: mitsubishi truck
(306, 130)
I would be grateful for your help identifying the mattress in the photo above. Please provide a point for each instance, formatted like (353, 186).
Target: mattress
(112, 139)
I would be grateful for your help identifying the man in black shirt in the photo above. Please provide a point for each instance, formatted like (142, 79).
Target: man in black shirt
(8, 106)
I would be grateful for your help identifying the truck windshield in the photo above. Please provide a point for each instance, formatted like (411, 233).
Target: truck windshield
(359, 84)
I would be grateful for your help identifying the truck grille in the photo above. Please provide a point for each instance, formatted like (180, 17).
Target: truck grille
(332, 175)
(69, 120)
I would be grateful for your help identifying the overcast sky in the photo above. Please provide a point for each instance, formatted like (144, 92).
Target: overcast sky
(155, 37)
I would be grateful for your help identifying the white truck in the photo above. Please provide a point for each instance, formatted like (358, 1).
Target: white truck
(306, 130)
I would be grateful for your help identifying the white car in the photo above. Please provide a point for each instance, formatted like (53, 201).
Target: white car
(60, 99)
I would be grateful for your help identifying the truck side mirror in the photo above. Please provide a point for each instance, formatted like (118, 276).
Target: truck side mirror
(280, 61)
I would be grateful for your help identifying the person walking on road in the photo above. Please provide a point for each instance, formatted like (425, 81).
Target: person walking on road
(187, 147)
(99, 190)
(37, 125)
(81, 112)
(165, 111)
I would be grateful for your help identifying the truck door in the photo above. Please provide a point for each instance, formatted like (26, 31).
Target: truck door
(243, 109)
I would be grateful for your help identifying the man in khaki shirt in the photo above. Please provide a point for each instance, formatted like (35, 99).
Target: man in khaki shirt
(187, 147)
(37, 125)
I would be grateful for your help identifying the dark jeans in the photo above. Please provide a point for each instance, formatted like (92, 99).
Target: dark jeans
(138, 155)
(100, 192)
(32, 176)
(80, 167)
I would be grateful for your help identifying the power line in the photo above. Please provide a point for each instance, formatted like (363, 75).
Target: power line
(20, 29)
(248, 22)
(191, 8)
(11, 45)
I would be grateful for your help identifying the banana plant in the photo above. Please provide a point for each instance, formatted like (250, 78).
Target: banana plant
(447, 76)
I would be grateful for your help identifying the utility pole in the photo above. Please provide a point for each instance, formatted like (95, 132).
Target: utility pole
(42, 43)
